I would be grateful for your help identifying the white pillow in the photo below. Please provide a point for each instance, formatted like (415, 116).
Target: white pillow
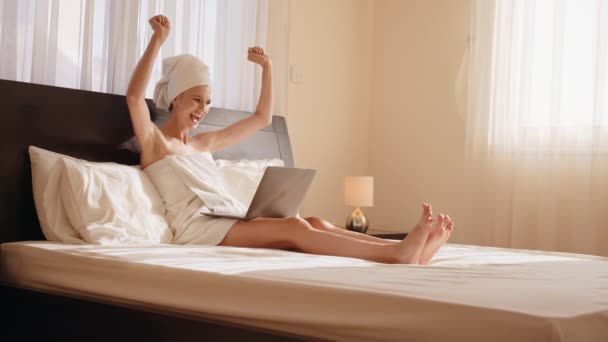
(46, 174)
(243, 176)
(110, 203)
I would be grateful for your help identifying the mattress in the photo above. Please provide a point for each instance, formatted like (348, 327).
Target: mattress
(468, 293)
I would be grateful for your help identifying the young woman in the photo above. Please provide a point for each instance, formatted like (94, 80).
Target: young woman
(182, 169)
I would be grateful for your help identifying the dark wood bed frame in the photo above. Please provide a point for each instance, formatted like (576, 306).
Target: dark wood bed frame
(97, 127)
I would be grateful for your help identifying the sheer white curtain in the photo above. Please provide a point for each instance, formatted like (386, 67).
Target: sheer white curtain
(95, 44)
(537, 125)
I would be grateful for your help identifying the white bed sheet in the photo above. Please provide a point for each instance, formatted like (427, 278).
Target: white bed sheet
(469, 293)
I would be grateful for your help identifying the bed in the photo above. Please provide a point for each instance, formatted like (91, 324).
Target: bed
(172, 292)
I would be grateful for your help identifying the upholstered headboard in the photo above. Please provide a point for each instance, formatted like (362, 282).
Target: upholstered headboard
(93, 126)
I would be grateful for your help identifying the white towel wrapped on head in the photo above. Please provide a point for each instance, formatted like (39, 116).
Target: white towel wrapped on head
(180, 73)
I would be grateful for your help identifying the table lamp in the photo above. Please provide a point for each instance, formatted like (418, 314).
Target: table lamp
(358, 192)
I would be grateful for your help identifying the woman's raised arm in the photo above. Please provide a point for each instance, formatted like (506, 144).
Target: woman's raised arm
(136, 93)
(262, 117)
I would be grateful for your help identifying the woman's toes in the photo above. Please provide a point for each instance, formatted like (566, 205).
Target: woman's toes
(428, 210)
(440, 222)
(449, 226)
(449, 223)
(425, 209)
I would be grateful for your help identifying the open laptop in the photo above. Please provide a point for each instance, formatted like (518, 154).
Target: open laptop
(279, 194)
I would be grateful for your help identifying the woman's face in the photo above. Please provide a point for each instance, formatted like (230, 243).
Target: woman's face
(192, 105)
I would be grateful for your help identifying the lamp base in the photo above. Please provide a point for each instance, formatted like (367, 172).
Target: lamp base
(357, 221)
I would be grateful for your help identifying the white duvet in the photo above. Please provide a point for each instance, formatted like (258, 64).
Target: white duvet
(469, 293)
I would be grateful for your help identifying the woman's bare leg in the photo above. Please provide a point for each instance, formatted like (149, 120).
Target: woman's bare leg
(299, 234)
(322, 224)
(436, 239)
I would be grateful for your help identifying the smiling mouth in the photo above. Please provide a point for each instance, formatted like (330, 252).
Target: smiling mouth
(195, 119)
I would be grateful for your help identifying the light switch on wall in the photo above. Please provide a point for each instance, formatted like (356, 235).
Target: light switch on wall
(297, 76)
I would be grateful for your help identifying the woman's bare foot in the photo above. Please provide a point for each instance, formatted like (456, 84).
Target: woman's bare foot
(410, 248)
(436, 239)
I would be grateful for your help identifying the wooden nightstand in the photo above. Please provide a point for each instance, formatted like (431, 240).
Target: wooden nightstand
(385, 234)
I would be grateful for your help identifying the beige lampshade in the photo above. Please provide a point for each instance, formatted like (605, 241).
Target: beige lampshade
(359, 191)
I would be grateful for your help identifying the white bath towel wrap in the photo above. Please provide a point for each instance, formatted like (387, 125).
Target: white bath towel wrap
(189, 184)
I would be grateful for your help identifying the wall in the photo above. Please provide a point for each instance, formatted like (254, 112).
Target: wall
(328, 112)
(416, 132)
(377, 98)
